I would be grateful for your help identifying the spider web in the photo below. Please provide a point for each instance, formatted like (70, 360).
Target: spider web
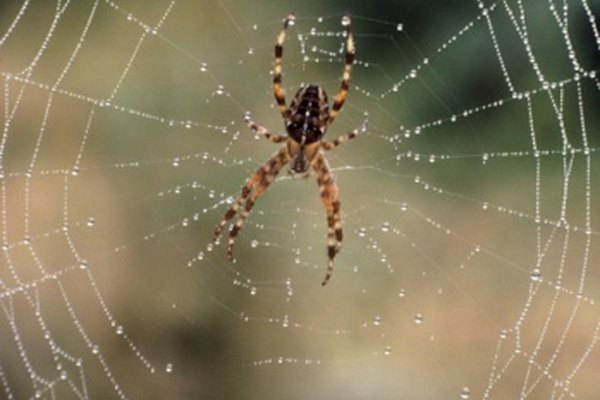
(469, 267)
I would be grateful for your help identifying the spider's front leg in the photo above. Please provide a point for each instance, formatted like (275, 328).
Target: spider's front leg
(277, 89)
(331, 202)
(263, 177)
(339, 100)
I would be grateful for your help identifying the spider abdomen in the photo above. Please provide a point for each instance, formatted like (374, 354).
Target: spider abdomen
(308, 114)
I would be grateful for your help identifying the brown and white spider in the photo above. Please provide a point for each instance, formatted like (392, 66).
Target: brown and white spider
(306, 121)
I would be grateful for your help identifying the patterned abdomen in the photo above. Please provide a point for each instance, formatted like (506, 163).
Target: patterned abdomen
(308, 116)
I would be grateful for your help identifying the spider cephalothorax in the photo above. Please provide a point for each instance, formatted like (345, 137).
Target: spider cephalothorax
(306, 121)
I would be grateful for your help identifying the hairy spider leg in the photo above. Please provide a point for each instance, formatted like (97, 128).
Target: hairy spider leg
(277, 89)
(348, 60)
(264, 132)
(329, 195)
(344, 138)
(264, 176)
(233, 209)
(246, 190)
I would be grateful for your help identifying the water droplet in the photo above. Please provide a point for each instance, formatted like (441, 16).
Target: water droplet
(362, 232)
(401, 293)
(254, 243)
(400, 27)
(387, 350)
(385, 227)
(377, 320)
(419, 319)
(346, 21)
(175, 162)
(536, 275)
(119, 329)
(465, 393)
(91, 221)
(291, 20)
(83, 264)
(169, 368)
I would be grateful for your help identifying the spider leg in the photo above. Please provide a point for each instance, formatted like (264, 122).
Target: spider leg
(331, 202)
(260, 130)
(233, 209)
(264, 176)
(344, 138)
(277, 90)
(348, 60)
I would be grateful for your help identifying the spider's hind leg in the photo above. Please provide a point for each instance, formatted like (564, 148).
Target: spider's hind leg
(263, 177)
(331, 202)
(233, 209)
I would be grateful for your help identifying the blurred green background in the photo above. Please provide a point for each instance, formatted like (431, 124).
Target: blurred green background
(124, 138)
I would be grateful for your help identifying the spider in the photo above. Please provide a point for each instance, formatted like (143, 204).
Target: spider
(306, 121)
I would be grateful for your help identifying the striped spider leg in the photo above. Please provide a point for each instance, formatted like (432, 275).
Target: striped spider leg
(330, 196)
(251, 191)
